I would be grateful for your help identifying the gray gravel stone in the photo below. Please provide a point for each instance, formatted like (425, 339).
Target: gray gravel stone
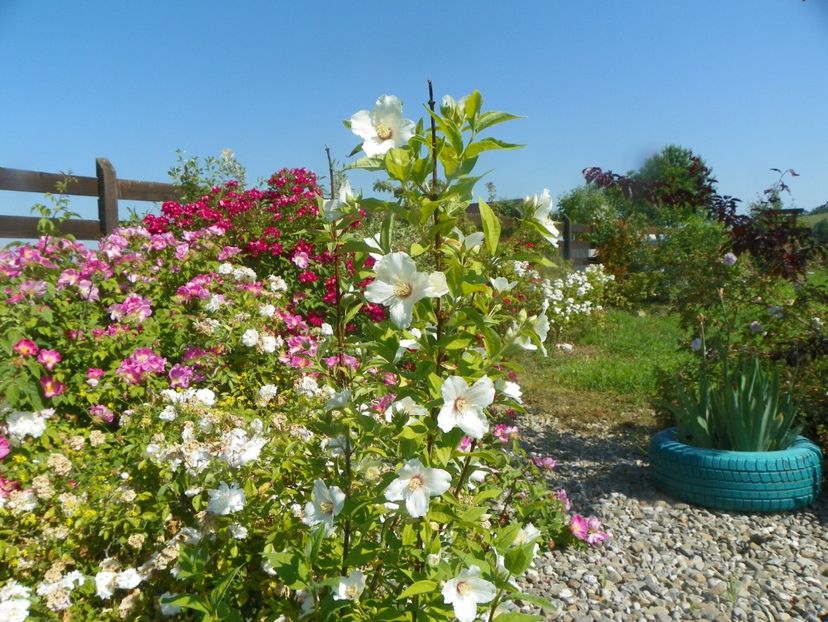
(667, 560)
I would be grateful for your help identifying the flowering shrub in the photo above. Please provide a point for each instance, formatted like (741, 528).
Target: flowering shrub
(181, 438)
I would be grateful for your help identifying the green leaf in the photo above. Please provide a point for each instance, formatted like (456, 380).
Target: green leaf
(488, 144)
(398, 163)
(190, 601)
(492, 117)
(491, 226)
(418, 587)
(518, 559)
(472, 103)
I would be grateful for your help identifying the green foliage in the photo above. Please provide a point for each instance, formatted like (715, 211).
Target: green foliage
(195, 177)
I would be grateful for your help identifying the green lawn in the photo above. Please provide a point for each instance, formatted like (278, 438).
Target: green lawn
(612, 375)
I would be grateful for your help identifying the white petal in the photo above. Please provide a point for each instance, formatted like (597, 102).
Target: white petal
(401, 313)
(446, 419)
(453, 387)
(396, 267)
(465, 608)
(417, 503)
(437, 481)
(482, 393)
(483, 590)
(379, 292)
(449, 591)
(338, 499)
(437, 285)
(473, 423)
(361, 125)
(395, 489)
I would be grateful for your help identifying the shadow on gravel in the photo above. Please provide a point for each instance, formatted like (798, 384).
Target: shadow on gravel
(599, 462)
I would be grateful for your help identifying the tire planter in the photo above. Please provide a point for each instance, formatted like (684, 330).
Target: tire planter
(741, 481)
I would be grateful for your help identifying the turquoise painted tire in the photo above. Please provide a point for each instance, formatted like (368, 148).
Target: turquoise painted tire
(739, 481)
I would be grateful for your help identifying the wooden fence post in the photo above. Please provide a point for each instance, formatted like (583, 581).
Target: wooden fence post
(567, 237)
(107, 195)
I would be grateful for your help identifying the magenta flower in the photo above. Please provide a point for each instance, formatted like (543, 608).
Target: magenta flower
(180, 376)
(51, 387)
(564, 499)
(301, 260)
(99, 411)
(4, 447)
(134, 309)
(589, 530)
(49, 358)
(93, 376)
(465, 443)
(544, 462)
(26, 347)
(578, 526)
(504, 433)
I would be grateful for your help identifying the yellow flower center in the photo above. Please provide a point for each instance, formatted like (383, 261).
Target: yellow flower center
(403, 290)
(384, 132)
(463, 588)
(326, 507)
(461, 404)
(352, 591)
(415, 483)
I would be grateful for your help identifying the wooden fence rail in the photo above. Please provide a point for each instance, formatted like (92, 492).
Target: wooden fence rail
(109, 189)
(105, 185)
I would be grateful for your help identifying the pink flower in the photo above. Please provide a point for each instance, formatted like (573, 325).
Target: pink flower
(578, 526)
(301, 260)
(26, 347)
(99, 411)
(134, 309)
(93, 376)
(51, 387)
(564, 499)
(544, 462)
(180, 376)
(589, 530)
(504, 433)
(227, 252)
(49, 358)
(465, 443)
(88, 290)
(4, 447)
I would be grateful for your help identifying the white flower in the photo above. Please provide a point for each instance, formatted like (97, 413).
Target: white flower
(239, 449)
(383, 128)
(268, 392)
(541, 206)
(566, 348)
(20, 425)
(250, 338)
(408, 344)
(463, 406)
(14, 602)
(268, 344)
(399, 286)
(239, 532)
(332, 208)
(502, 284)
(225, 268)
(166, 608)
(326, 329)
(327, 503)
(168, 414)
(226, 499)
(471, 241)
(277, 283)
(512, 390)
(338, 400)
(128, 579)
(267, 310)
(105, 584)
(206, 397)
(215, 302)
(350, 587)
(465, 592)
(406, 406)
(415, 483)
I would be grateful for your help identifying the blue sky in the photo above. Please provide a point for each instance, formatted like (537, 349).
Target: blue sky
(744, 83)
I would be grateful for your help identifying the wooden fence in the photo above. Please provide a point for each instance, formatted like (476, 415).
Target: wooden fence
(109, 189)
(105, 185)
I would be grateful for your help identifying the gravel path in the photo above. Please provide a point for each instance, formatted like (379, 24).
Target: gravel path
(666, 560)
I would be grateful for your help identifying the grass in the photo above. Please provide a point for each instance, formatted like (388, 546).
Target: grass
(611, 378)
